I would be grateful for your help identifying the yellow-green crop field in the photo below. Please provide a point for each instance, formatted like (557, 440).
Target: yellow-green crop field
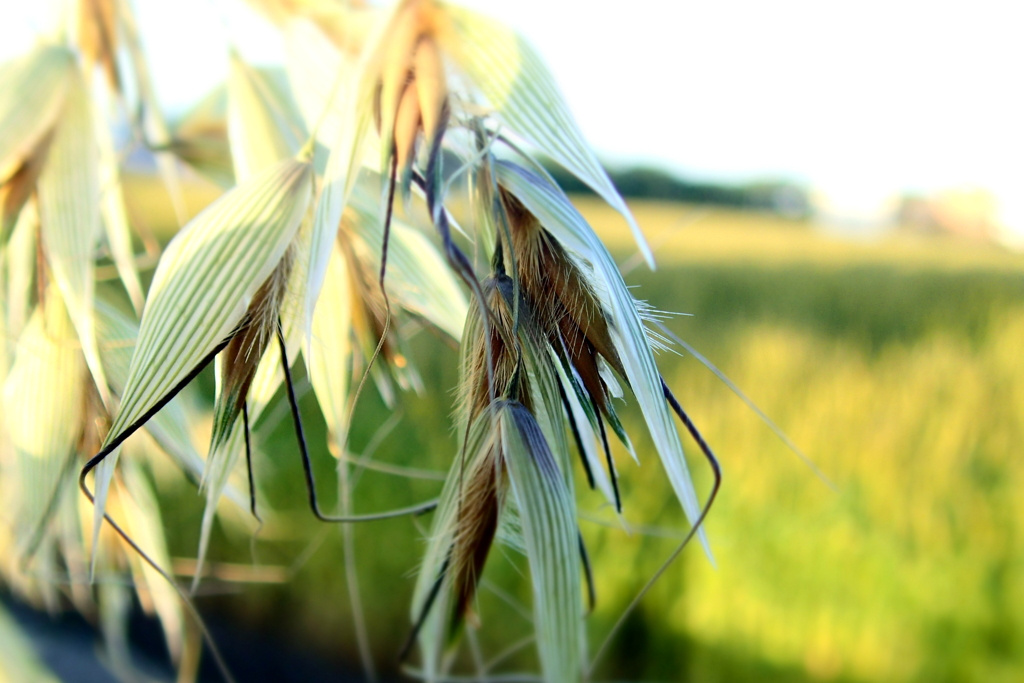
(896, 365)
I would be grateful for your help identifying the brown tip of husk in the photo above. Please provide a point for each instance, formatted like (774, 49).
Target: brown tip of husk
(476, 526)
(407, 126)
(97, 37)
(242, 356)
(431, 86)
(16, 191)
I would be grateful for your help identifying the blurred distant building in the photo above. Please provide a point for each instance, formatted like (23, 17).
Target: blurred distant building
(966, 212)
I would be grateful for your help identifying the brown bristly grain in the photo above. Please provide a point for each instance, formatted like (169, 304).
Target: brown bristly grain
(567, 310)
(243, 354)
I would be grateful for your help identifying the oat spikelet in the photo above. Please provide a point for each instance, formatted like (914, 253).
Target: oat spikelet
(567, 309)
(412, 90)
(243, 353)
(480, 505)
(497, 347)
(369, 310)
(396, 64)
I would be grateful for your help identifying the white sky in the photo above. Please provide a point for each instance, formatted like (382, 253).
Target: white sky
(860, 99)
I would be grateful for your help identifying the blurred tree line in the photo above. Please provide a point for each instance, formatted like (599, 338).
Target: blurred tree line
(641, 182)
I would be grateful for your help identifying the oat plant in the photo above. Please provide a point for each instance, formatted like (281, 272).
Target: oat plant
(344, 175)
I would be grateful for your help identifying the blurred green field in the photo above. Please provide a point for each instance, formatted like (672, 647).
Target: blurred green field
(896, 365)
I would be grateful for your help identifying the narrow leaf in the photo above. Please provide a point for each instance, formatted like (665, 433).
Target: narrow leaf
(21, 266)
(69, 210)
(115, 216)
(345, 123)
(517, 83)
(331, 346)
(547, 517)
(260, 124)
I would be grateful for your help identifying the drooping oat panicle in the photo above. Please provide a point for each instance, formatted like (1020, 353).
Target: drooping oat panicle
(557, 215)
(506, 371)
(564, 301)
(411, 88)
(431, 610)
(573, 323)
(262, 136)
(506, 469)
(248, 380)
(483, 488)
(467, 515)
(376, 99)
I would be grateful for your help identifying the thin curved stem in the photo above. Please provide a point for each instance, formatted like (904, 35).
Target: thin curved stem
(387, 302)
(248, 462)
(717, 472)
(435, 590)
(307, 464)
(588, 573)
